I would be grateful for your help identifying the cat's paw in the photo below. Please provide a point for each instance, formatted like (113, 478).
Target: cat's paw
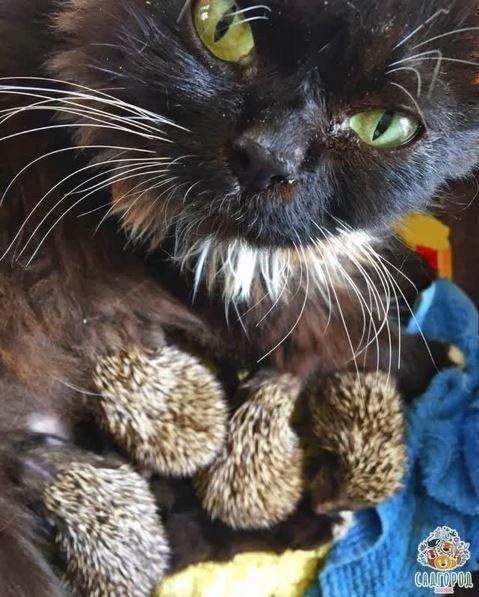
(103, 517)
(456, 357)
(421, 362)
(342, 524)
(167, 410)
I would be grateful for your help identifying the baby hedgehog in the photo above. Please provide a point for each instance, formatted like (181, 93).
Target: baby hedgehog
(341, 440)
(350, 452)
(110, 538)
(358, 448)
(167, 410)
(257, 479)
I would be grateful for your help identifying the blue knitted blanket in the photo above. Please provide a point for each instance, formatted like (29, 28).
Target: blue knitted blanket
(427, 536)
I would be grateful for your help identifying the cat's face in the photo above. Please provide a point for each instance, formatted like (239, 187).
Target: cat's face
(294, 115)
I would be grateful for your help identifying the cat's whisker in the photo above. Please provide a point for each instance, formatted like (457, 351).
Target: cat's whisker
(240, 319)
(140, 232)
(249, 9)
(189, 190)
(343, 320)
(66, 101)
(107, 71)
(52, 227)
(50, 230)
(447, 34)
(273, 306)
(416, 71)
(339, 249)
(386, 307)
(131, 168)
(413, 57)
(249, 20)
(58, 203)
(381, 270)
(322, 282)
(437, 72)
(54, 127)
(131, 193)
(382, 308)
(44, 197)
(394, 282)
(395, 268)
(365, 308)
(336, 264)
(446, 59)
(413, 99)
(94, 121)
(63, 150)
(378, 308)
(92, 211)
(302, 260)
(436, 15)
(95, 95)
(183, 10)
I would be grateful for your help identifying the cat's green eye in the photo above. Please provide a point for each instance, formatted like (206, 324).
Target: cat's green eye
(385, 129)
(221, 25)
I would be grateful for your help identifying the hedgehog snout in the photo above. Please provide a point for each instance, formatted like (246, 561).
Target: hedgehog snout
(327, 487)
(331, 490)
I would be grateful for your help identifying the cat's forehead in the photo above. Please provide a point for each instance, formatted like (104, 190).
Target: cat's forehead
(367, 12)
(347, 39)
(380, 21)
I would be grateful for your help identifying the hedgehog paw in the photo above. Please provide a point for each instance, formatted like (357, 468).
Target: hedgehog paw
(102, 514)
(167, 411)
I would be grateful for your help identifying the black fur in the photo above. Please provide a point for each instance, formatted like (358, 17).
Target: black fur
(315, 63)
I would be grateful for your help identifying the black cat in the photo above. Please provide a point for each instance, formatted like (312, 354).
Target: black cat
(259, 151)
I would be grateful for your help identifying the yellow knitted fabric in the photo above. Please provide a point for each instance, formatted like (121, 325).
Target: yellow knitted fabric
(247, 575)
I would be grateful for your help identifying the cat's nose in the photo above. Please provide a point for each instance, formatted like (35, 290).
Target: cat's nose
(258, 167)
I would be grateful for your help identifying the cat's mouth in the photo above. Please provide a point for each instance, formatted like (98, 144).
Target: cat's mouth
(261, 255)
(275, 218)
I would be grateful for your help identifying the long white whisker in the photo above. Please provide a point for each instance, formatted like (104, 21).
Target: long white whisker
(411, 69)
(104, 185)
(130, 192)
(66, 149)
(43, 198)
(414, 57)
(441, 11)
(69, 126)
(301, 257)
(447, 34)
(83, 108)
(97, 95)
(133, 168)
(249, 9)
(409, 307)
(82, 188)
(413, 99)
(441, 58)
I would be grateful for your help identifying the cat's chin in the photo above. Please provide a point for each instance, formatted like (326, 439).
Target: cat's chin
(243, 273)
